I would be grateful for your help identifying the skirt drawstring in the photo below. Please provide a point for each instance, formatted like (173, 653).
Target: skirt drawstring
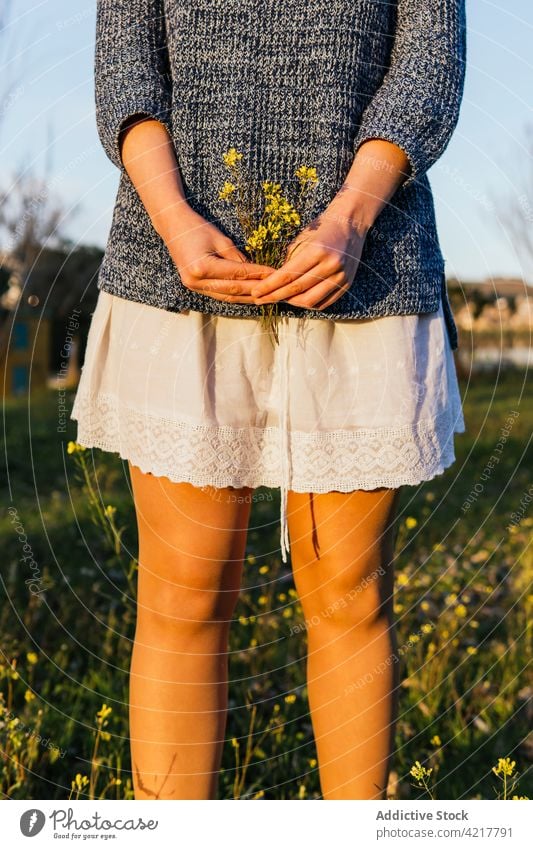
(284, 425)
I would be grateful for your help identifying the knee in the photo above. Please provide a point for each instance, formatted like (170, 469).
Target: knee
(344, 596)
(187, 604)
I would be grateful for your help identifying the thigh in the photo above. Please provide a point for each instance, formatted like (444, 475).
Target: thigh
(190, 537)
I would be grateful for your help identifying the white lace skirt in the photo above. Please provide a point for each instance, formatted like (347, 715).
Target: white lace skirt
(337, 405)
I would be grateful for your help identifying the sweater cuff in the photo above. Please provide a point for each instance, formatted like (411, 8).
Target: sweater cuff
(123, 109)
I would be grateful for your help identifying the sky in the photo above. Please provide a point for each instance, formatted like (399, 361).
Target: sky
(48, 127)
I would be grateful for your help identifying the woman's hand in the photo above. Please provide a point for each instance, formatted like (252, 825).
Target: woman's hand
(323, 259)
(321, 263)
(208, 261)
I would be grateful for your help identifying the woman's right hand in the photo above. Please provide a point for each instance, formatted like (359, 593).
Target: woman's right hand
(208, 261)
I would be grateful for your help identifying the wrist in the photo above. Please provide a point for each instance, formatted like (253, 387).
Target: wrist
(173, 221)
(356, 208)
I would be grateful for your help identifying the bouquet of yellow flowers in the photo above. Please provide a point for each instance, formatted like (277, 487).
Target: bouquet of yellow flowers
(267, 239)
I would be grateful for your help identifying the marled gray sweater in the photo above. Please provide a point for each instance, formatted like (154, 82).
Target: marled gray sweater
(286, 82)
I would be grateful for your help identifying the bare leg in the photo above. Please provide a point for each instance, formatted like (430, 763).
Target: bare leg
(191, 548)
(342, 548)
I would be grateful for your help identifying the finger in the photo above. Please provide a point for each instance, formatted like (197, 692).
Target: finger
(289, 271)
(230, 269)
(214, 286)
(298, 286)
(229, 299)
(323, 294)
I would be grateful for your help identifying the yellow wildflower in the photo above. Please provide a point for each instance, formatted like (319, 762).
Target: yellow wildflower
(290, 698)
(411, 522)
(435, 740)
(251, 560)
(103, 713)
(74, 447)
(263, 570)
(461, 611)
(29, 696)
(80, 781)
(420, 772)
(32, 657)
(306, 174)
(505, 767)
(402, 579)
(231, 157)
(312, 762)
(262, 599)
(471, 650)
(227, 190)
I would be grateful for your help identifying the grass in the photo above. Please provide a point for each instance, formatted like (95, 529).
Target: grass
(462, 602)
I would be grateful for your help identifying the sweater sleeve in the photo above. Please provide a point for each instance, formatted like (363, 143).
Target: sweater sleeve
(417, 105)
(131, 73)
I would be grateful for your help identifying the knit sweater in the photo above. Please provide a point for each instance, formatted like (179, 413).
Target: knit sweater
(286, 83)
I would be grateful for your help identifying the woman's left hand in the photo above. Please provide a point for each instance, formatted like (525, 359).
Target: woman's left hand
(321, 262)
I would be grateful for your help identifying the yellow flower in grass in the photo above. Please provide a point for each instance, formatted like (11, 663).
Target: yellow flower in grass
(29, 696)
(262, 600)
(461, 611)
(290, 698)
(427, 628)
(103, 713)
(312, 762)
(420, 772)
(32, 657)
(402, 580)
(79, 782)
(505, 767)
(519, 797)
(74, 448)
(264, 569)
(411, 522)
(435, 740)
(251, 560)
(471, 650)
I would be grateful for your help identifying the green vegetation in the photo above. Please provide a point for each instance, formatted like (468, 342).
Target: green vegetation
(463, 601)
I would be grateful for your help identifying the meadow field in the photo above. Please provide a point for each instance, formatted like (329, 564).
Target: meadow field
(463, 600)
